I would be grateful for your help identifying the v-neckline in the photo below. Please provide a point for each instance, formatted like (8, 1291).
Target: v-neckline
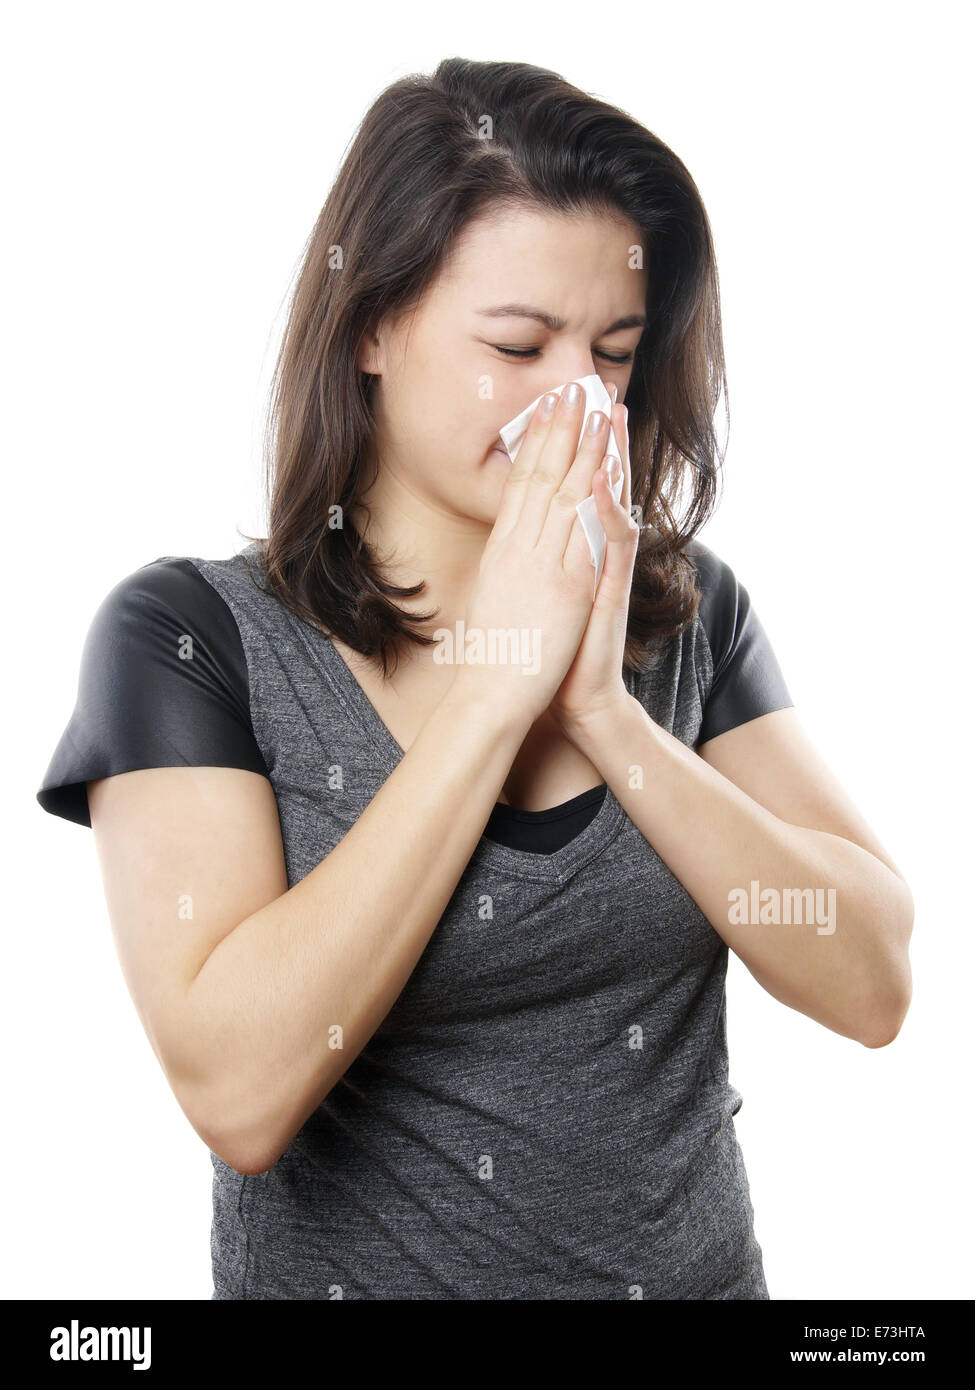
(558, 866)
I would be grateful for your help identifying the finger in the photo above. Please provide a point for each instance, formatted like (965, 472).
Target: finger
(577, 557)
(576, 486)
(521, 469)
(622, 533)
(622, 439)
(551, 464)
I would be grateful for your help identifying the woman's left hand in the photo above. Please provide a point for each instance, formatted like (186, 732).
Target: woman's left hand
(593, 683)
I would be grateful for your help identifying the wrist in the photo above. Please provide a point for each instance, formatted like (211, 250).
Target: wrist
(601, 722)
(483, 709)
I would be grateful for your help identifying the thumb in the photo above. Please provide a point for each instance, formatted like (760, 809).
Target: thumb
(622, 534)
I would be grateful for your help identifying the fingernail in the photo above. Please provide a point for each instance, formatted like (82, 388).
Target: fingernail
(572, 393)
(548, 404)
(595, 422)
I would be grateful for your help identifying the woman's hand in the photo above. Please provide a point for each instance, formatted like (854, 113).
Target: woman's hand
(593, 683)
(535, 577)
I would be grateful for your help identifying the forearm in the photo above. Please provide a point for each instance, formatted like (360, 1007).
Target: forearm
(288, 999)
(843, 964)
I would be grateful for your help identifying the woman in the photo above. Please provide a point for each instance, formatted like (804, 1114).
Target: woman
(433, 950)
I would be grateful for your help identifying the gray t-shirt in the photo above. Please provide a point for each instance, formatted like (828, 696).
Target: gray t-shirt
(545, 1112)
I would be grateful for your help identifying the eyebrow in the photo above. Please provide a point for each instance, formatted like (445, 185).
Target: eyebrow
(552, 321)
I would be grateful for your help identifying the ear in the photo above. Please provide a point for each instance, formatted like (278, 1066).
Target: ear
(369, 359)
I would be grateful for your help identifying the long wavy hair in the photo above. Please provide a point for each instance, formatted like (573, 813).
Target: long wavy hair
(416, 173)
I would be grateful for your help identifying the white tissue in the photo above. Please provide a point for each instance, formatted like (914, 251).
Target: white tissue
(597, 398)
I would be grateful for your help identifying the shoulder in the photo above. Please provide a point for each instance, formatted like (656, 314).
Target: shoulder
(724, 600)
(163, 601)
(172, 584)
(746, 680)
(163, 682)
(166, 620)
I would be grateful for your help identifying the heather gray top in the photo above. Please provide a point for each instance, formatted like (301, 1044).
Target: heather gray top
(546, 1111)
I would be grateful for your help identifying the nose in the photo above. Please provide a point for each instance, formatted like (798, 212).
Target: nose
(577, 366)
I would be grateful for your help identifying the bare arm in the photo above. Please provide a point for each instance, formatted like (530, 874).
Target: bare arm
(759, 806)
(240, 1009)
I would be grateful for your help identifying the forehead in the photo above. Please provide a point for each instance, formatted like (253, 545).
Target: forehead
(570, 263)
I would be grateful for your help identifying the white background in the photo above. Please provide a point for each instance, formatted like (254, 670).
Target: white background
(163, 166)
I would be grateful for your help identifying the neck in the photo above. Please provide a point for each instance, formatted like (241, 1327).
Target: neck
(411, 539)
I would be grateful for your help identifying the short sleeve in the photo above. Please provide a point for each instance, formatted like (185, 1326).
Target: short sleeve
(747, 680)
(163, 683)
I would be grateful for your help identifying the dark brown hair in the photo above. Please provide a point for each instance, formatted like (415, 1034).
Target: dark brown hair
(417, 171)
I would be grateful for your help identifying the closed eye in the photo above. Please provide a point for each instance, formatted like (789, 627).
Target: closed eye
(534, 352)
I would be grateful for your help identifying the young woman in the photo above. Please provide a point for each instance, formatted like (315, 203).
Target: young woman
(433, 952)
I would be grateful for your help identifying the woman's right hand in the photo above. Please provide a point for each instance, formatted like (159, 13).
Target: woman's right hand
(536, 573)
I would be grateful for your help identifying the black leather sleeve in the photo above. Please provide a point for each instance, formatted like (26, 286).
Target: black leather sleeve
(748, 680)
(163, 683)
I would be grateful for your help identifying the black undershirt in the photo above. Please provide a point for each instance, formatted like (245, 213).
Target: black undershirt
(543, 832)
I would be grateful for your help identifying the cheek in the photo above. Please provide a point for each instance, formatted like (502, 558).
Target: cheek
(448, 411)
(446, 444)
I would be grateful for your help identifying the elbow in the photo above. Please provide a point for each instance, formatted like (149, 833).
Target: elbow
(241, 1151)
(248, 1138)
(249, 1142)
(250, 1164)
(882, 1037)
(218, 1101)
(887, 1017)
(889, 1007)
(248, 1145)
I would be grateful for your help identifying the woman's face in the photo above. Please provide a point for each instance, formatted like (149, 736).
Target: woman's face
(445, 386)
